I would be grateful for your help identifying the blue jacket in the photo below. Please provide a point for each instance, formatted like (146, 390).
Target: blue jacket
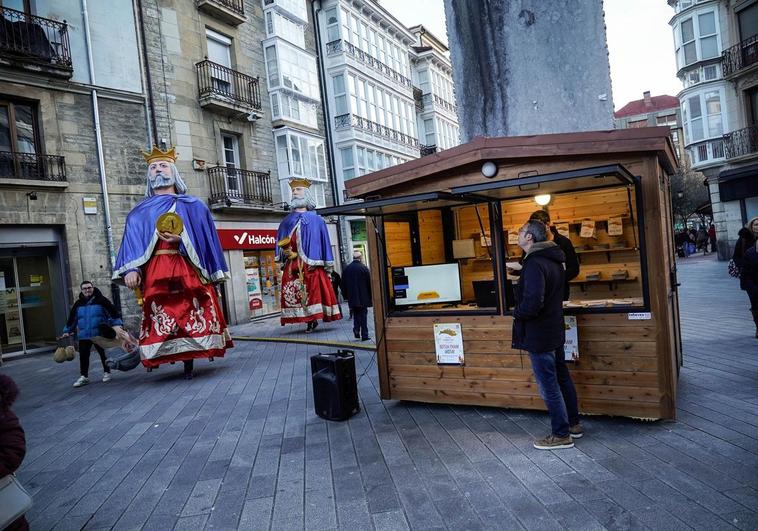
(538, 316)
(88, 314)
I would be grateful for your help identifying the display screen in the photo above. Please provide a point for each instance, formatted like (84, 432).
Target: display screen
(426, 284)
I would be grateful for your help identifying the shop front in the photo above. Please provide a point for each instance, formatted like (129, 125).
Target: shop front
(442, 235)
(32, 299)
(254, 289)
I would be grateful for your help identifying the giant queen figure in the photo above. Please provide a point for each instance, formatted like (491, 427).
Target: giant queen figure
(171, 252)
(304, 249)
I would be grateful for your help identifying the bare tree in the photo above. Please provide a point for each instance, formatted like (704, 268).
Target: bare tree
(688, 193)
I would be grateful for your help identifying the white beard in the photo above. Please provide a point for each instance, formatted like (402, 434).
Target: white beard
(162, 181)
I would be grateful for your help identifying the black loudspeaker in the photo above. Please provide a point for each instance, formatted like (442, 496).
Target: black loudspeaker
(335, 389)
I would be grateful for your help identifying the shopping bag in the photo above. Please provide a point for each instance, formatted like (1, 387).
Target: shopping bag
(65, 350)
(15, 501)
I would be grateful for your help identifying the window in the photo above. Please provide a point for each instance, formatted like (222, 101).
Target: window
(696, 39)
(340, 97)
(633, 124)
(332, 25)
(346, 25)
(348, 166)
(747, 20)
(669, 119)
(355, 106)
(695, 118)
(230, 151)
(702, 116)
(281, 26)
(19, 134)
(272, 66)
(713, 111)
(220, 52)
(300, 155)
(429, 132)
(18, 5)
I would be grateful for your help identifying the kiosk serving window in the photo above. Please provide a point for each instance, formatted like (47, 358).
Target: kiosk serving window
(435, 251)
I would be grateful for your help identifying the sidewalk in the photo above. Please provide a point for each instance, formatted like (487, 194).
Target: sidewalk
(240, 447)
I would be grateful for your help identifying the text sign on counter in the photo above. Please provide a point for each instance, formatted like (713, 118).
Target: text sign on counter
(571, 346)
(640, 316)
(448, 343)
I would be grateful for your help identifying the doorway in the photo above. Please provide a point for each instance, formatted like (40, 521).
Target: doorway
(27, 305)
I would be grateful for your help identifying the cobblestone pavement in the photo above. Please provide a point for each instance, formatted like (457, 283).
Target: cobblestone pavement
(240, 447)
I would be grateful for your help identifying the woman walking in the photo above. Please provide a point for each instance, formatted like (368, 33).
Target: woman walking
(746, 260)
(89, 312)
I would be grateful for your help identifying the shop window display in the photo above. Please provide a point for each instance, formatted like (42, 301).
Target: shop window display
(263, 290)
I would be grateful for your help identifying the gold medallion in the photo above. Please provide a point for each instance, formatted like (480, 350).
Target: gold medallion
(169, 222)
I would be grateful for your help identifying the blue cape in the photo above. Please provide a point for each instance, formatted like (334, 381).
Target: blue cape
(313, 243)
(199, 243)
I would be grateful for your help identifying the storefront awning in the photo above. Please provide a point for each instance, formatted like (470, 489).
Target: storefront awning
(738, 183)
(401, 204)
(551, 183)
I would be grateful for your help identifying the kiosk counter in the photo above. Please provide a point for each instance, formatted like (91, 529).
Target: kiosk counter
(442, 236)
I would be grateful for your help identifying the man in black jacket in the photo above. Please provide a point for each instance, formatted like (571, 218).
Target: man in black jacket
(572, 262)
(538, 328)
(356, 288)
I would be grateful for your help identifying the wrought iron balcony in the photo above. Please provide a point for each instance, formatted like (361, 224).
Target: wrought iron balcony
(339, 46)
(434, 102)
(233, 186)
(225, 90)
(344, 121)
(230, 11)
(28, 166)
(740, 56)
(741, 143)
(418, 98)
(35, 43)
(428, 150)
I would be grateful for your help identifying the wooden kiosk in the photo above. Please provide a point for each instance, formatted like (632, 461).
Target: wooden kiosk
(441, 230)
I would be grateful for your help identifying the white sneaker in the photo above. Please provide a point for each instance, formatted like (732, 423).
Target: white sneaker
(83, 380)
(106, 377)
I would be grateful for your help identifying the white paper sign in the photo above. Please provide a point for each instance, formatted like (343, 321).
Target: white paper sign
(90, 205)
(448, 343)
(640, 316)
(571, 346)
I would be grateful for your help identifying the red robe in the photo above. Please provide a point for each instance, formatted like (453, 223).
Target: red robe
(181, 316)
(309, 296)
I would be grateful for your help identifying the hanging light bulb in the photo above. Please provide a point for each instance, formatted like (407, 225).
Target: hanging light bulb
(542, 199)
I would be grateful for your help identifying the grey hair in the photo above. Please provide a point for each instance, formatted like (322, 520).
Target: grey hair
(309, 200)
(537, 229)
(179, 184)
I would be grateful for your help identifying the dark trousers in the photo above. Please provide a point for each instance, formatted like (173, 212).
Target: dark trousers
(360, 321)
(556, 389)
(85, 346)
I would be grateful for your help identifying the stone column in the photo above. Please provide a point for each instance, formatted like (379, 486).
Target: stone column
(524, 67)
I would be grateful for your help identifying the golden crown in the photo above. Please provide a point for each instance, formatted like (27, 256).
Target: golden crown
(305, 183)
(158, 154)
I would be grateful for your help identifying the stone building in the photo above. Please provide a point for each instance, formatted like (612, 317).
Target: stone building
(716, 46)
(237, 143)
(72, 121)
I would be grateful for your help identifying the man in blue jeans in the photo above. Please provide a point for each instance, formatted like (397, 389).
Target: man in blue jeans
(538, 328)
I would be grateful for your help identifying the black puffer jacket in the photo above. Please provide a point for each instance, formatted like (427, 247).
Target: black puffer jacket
(538, 316)
(745, 240)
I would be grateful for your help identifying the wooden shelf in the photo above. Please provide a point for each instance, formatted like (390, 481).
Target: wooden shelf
(583, 251)
(600, 280)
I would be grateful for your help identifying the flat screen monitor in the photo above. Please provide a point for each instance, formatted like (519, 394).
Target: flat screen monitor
(427, 284)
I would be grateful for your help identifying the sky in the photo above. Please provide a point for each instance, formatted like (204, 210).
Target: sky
(637, 64)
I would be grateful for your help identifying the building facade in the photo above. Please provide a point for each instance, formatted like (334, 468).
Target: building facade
(375, 114)
(716, 45)
(653, 111)
(72, 121)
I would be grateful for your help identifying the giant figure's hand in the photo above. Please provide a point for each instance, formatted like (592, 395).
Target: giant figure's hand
(132, 280)
(169, 237)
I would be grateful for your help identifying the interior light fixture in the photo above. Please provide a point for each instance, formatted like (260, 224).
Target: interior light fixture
(542, 199)
(489, 169)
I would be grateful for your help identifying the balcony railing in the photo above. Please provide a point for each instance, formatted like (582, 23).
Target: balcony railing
(217, 81)
(32, 39)
(432, 100)
(741, 142)
(343, 121)
(740, 56)
(29, 166)
(238, 6)
(339, 46)
(233, 186)
(418, 98)
(428, 150)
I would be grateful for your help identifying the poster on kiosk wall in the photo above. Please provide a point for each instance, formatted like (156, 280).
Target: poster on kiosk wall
(448, 343)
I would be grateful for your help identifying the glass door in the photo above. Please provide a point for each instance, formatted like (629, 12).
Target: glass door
(27, 320)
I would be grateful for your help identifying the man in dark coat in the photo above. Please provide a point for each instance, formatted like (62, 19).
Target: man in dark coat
(356, 288)
(538, 328)
(12, 440)
(572, 262)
